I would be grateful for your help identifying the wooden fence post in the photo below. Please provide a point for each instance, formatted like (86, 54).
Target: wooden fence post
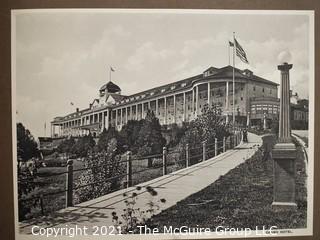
(164, 161)
(129, 169)
(69, 182)
(187, 155)
(203, 151)
(41, 204)
(215, 147)
(224, 144)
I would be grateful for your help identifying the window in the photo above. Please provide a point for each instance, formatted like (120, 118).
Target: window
(254, 88)
(173, 87)
(183, 84)
(270, 91)
(163, 90)
(241, 98)
(262, 89)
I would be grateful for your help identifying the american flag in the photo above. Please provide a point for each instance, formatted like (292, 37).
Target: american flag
(240, 52)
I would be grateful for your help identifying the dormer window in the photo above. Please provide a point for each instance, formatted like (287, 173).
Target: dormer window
(209, 71)
(173, 87)
(247, 72)
(183, 84)
(143, 95)
(151, 93)
(163, 90)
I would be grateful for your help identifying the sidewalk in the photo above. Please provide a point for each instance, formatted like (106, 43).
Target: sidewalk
(174, 187)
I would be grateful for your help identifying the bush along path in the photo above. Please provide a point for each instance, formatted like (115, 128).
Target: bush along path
(241, 199)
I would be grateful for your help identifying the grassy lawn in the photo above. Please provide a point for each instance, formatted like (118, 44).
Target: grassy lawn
(241, 198)
(48, 184)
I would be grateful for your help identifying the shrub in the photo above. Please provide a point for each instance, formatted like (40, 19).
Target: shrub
(83, 146)
(208, 126)
(132, 217)
(102, 166)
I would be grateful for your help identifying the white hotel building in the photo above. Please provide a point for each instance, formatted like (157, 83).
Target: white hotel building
(182, 101)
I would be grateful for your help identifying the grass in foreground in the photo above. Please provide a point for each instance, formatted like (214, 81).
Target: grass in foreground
(241, 198)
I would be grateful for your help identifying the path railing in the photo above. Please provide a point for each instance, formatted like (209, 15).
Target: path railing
(162, 163)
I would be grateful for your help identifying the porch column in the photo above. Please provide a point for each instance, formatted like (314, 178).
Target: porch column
(126, 121)
(197, 100)
(121, 116)
(116, 118)
(193, 103)
(248, 119)
(165, 110)
(174, 109)
(137, 112)
(142, 110)
(184, 106)
(208, 94)
(227, 95)
(157, 107)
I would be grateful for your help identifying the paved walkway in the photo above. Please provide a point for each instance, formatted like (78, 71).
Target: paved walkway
(174, 187)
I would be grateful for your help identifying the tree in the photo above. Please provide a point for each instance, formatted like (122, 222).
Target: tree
(208, 126)
(27, 147)
(103, 165)
(130, 132)
(150, 140)
(106, 136)
(177, 132)
(211, 124)
(66, 146)
(83, 146)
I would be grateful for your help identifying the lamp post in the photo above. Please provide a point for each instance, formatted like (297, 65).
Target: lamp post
(284, 152)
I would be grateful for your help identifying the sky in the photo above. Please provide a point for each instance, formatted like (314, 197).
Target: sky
(63, 57)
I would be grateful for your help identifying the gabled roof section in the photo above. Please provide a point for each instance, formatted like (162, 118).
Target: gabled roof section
(227, 72)
(117, 97)
(110, 87)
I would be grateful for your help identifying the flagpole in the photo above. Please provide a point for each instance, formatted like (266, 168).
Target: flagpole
(229, 52)
(233, 82)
